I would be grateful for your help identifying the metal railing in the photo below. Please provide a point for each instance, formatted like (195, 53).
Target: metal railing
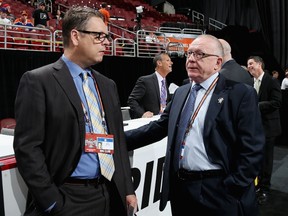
(198, 17)
(15, 37)
(26, 38)
(215, 24)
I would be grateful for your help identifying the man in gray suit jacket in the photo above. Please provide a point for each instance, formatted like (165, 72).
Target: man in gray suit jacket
(270, 99)
(231, 69)
(53, 122)
(213, 167)
(144, 100)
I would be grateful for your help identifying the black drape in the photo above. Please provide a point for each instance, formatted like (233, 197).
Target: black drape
(267, 17)
(123, 70)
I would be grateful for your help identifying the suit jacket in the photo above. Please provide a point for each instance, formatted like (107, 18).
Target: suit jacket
(185, 81)
(270, 99)
(233, 139)
(233, 71)
(145, 96)
(50, 135)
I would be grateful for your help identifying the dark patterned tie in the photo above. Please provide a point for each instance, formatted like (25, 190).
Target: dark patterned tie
(183, 123)
(163, 95)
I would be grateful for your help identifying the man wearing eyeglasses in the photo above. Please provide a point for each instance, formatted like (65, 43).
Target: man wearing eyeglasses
(214, 147)
(56, 137)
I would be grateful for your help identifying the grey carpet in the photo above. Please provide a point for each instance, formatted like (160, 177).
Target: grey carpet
(277, 204)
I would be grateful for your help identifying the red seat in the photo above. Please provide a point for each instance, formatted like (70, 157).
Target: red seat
(9, 123)
(20, 41)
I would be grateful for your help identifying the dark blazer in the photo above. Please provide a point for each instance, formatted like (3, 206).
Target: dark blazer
(233, 139)
(185, 81)
(145, 96)
(233, 71)
(270, 99)
(50, 136)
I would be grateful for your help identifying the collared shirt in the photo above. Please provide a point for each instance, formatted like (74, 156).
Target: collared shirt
(88, 166)
(259, 80)
(195, 155)
(284, 84)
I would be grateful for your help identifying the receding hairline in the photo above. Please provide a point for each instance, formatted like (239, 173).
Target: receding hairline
(216, 43)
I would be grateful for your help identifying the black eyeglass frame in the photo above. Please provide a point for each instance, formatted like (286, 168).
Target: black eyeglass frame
(198, 55)
(100, 36)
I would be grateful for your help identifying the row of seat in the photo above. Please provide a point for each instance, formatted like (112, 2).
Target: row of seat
(125, 10)
(7, 126)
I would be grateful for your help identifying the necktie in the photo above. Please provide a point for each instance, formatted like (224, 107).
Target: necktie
(163, 96)
(257, 84)
(184, 121)
(106, 160)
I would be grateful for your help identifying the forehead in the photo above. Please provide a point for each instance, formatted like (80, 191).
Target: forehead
(203, 44)
(251, 61)
(96, 24)
(165, 57)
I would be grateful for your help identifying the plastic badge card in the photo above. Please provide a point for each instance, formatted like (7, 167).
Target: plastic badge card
(99, 143)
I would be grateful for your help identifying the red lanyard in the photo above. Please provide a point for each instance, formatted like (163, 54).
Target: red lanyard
(196, 113)
(98, 98)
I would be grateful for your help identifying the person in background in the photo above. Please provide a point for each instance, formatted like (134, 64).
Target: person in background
(55, 121)
(59, 16)
(186, 81)
(214, 152)
(23, 21)
(269, 103)
(4, 20)
(41, 17)
(7, 7)
(151, 37)
(284, 84)
(275, 76)
(231, 69)
(145, 99)
(105, 13)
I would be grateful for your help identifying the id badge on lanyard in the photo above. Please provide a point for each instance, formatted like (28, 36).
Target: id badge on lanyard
(99, 143)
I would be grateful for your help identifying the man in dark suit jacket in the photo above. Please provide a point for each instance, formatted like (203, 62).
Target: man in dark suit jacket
(270, 99)
(212, 169)
(231, 69)
(52, 120)
(186, 81)
(144, 100)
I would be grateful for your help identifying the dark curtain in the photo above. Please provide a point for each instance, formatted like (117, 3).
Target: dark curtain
(267, 17)
(123, 70)
(279, 31)
(13, 64)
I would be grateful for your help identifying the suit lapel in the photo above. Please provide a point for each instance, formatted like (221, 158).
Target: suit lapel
(217, 100)
(263, 84)
(64, 78)
(178, 102)
(156, 86)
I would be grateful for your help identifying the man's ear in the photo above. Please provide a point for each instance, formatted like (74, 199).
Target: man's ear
(218, 63)
(74, 34)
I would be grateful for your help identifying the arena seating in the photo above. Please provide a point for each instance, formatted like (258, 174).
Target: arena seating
(127, 41)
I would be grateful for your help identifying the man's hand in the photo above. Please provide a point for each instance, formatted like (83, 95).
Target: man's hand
(147, 114)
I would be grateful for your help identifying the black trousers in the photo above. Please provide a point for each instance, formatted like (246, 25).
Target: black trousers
(209, 196)
(267, 165)
(79, 200)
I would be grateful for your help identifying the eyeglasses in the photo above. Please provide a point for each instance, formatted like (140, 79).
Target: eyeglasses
(198, 55)
(99, 36)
